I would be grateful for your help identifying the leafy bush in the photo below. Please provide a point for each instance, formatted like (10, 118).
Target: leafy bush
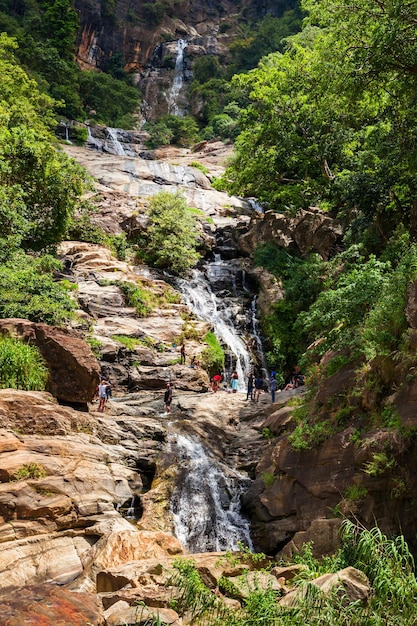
(21, 366)
(113, 101)
(29, 291)
(136, 297)
(171, 239)
(29, 471)
(213, 356)
(171, 129)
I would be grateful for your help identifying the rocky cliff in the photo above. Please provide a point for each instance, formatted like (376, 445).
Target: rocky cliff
(90, 501)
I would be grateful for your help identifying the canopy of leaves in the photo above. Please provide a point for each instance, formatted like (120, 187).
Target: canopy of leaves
(330, 121)
(46, 33)
(39, 185)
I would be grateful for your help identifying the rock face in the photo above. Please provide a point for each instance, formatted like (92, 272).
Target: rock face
(74, 371)
(308, 231)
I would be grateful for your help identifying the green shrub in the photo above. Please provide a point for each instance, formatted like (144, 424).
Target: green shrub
(356, 492)
(112, 100)
(136, 297)
(129, 342)
(171, 129)
(29, 291)
(21, 366)
(212, 357)
(29, 471)
(199, 166)
(171, 239)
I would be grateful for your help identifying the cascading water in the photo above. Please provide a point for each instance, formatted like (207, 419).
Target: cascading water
(174, 107)
(206, 503)
(203, 302)
(115, 146)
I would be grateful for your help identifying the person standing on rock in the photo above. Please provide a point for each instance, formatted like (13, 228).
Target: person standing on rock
(235, 381)
(102, 395)
(258, 387)
(168, 398)
(273, 388)
(182, 354)
(251, 379)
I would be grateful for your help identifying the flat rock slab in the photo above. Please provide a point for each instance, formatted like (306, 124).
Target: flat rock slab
(47, 605)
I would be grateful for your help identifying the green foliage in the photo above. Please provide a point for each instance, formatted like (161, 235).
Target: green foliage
(171, 239)
(95, 345)
(21, 366)
(29, 471)
(356, 492)
(213, 356)
(205, 68)
(387, 563)
(302, 281)
(381, 463)
(29, 291)
(113, 101)
(171, 129)
(340, 308)
(136, 297)
(267, 433)
(199, 166)
(268, 478)
(129, 342)
(267, 36)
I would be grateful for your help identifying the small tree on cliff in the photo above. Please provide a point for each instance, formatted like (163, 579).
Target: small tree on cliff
(171, 237)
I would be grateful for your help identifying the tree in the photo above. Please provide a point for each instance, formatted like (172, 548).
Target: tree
(39, 185)
(171, 237)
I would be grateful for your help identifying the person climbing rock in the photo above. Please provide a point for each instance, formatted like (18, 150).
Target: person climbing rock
(182, 354)
(168, 398)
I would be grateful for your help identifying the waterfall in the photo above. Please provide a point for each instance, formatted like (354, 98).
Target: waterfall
(206, 502)
(177, 83)
(93, 142)
(201, 300)
(113, 144)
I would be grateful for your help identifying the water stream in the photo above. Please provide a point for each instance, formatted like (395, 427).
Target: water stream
(174, 107)
(219, 311)
(206, 502)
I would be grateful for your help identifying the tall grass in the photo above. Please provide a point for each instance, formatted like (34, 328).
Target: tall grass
(21, 366)
(387, 563)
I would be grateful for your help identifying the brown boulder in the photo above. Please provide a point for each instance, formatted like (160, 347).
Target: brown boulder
(42, 604)
(74, 371)
(307, 231)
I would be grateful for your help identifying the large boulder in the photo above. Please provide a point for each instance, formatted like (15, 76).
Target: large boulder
(74, 371)
(307, 231)
(43, 604)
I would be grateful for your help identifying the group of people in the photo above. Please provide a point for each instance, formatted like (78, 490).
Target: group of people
(256, 384)
(217, 379)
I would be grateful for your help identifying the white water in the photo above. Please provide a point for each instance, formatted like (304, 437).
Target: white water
(177, 83)
(200, 298)
(92, 142)
(205, 505)
(113, 144)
